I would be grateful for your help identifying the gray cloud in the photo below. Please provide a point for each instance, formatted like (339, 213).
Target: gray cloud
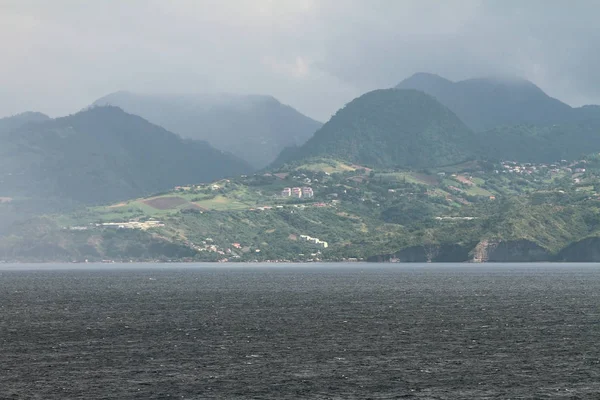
(316, 55)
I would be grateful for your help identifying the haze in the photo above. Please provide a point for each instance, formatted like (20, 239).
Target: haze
(59, 56)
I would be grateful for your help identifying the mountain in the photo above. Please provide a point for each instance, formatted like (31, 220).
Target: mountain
(16, 121)
(515, 119)
(101, 155)
(486, 103)
(254, 128)
(543, 144)
(391, 128)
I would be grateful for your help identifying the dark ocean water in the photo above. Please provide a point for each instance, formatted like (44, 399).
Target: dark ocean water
(300, 332)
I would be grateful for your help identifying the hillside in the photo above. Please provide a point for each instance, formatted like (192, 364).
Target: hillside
(102, 155)
(531, 143)
(16, 121)
(390, 128)
(514, 119)
(486, 103)
(254, 128)
(474, 211)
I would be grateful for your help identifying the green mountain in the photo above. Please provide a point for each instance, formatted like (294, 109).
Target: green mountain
(486, 103)
(515, 119)
(390, 128)
(533, 143)
(16, 121)
(254, 128)
(102, 155)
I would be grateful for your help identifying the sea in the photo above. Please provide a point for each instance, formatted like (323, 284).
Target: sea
(300, 331)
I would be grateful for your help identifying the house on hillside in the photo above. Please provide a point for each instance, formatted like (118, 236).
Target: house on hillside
(307, 192)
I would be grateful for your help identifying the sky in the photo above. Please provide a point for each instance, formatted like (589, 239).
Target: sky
(59, 56)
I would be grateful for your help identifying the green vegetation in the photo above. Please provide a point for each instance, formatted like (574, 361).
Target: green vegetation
(515, 119)
(47, 241)
(101, 155)
(360, 213)
(254, 128)
(327, 165)
(487, 103)
(529, 143)
(405, 128)
(16, 121)
(393, 175)
(391, 128)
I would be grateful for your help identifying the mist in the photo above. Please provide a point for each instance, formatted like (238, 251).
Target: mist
(60, 56)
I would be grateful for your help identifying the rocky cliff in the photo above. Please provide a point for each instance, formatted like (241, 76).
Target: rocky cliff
(586, 250)
(484, 251)
(510, 251)
(428, 253)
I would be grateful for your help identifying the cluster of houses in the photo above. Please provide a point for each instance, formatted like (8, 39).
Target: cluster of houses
(133, 225)
(529, 168)
(142, 225)
(213, 186)
(318, 242)
(209, 246)
(297, 192)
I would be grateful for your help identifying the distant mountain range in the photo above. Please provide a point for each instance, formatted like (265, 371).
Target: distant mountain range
(16, 121)
(104, 154)
(436, 190)
(429, 121)
(254, 128)
(486, 103)
(101, 155)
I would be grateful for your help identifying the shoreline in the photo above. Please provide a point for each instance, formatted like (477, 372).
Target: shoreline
(283, 263)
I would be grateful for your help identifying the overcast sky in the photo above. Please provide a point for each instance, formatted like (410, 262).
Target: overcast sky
(59, 56)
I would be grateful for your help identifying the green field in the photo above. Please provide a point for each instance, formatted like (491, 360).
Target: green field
(330, 167)
(222, 203)
(408, 177)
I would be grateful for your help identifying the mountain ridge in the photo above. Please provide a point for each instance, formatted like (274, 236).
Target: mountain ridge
(488, 102)
(253, 127)
(103, 154)
(18, 120)
(390, 127)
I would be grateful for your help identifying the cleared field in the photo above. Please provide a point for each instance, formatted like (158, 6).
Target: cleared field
(425, 178)
(410, 177)
(118, 205)
(585, 189)
(222, 203)
(165, 203)
(193, 206)
(477, 191)
(329, 167)
(122, 212)
(464, 180)
(437, 192)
